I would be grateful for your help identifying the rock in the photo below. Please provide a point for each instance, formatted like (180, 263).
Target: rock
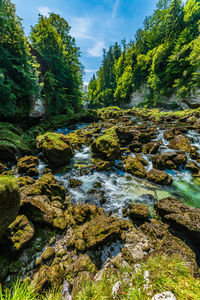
(135, 167)
(85, 212)
(46, 185)
(95, 232)
(136, 246)
(192, 166)
(75, 182)
(9, 202)
(125, 134)
(12, 143)
(56, 148)
(116, 288)
(138, 211)
(26, 180)
(159, 177)
(135, 147)
(180, 216)
(48, 254)
(180, 142)
(47, 277)
(169, 160)
(106, 146)
(26, 165)
(172, 132)
(2, 168)
(21, 232)
(41, 210)
(164, 243)
(164, 296)
(151, 148)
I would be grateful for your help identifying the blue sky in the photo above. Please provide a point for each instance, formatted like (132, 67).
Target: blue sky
(95, 24)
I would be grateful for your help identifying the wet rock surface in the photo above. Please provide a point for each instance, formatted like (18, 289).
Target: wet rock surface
(69, 226)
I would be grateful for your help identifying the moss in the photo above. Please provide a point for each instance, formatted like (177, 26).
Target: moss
(107, 146)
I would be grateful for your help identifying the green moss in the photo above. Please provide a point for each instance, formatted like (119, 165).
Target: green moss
(165, 274)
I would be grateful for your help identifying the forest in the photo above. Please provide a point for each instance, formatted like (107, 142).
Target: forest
(163, 59)
(45, 66)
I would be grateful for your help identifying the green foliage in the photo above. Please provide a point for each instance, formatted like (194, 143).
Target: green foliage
(165, 274)
(62, 77)
(22, 291)
(165, 58)
(18, 73)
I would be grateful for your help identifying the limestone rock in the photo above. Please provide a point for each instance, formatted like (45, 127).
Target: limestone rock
(9, 202)
(135, 167)
(21, 232)
(138, 211)
(41, 210)
(107, 146)
(180, 216)
(164, 296)
(180, 142)
(26, 165)
(159, 177)
(56, 148)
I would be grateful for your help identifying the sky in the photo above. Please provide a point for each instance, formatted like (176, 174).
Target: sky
(95, 24)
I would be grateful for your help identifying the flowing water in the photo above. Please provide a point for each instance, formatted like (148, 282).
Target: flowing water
(116, 189)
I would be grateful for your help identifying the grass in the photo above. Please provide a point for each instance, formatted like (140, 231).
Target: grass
(165, 274)
(22, 291)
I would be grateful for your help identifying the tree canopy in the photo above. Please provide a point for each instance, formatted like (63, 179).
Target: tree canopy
(164, 58)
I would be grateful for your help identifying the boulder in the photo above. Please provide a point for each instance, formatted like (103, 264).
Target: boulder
(26, 165)
(21, 232)
(135, 147)
(47, 277)
(12, 143)
(75, 182)
(56, 148)
(172, 132)
(135, 167)
(151, 148)
(40, 209)
(95, 232)
(169, 160)
(46, 185)
(159, 177)
(138, 211)
(106, 146)
(180, 142)
(82, 213)
(9, 202)
(180, 216)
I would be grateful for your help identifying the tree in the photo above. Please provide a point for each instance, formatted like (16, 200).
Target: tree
(18, 73)
(63, 77)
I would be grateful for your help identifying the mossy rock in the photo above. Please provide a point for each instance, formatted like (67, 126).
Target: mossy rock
(21, 232)
(107, 146)
(180, 216)
(26, 165)
(9, 202)
(180, 142)
(159, 177)
(12, 143)
(56, 148)
(135, 167)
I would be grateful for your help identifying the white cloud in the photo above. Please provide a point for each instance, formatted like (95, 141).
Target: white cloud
(96, 50)
(90, 71)
(80, 27)
(86, 83)
(44, 10)
(115, 8)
